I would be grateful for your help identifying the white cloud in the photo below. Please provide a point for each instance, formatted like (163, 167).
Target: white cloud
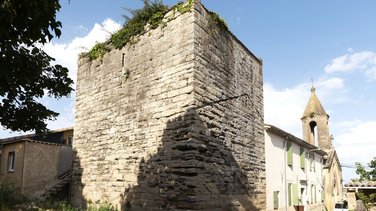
(356, 144)
(81, 29)
(363, 61)
(284, 108)
(66, 117)
(66, 54)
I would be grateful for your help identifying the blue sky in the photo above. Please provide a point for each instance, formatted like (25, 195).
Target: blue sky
(331, 41)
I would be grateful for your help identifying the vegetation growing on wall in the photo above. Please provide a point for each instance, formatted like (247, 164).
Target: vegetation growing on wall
(150, 16)
(181, 7)
(217, 20)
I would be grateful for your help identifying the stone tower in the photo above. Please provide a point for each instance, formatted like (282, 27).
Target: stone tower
(172, 121)
(316, 131)
(316, 123)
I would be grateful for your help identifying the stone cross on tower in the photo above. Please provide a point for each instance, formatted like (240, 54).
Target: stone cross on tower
(315, 123)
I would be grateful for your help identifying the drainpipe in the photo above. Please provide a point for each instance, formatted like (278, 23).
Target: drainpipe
(23, 168)
(285, 169)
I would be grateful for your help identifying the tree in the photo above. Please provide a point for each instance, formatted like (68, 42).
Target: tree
(366, 175)
(26, 72)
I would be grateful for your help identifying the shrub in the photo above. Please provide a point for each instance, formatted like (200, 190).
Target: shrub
(10, 195)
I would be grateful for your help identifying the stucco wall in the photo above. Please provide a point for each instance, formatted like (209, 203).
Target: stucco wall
(41, 167)
(168, 136)
(276, 165)
(36, 166)
(65, 159)
(15, 176)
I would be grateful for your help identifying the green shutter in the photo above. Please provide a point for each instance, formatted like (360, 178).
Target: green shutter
(302, 158)
(295, 195)
(289, 154)
(289, 194)
(275, 199)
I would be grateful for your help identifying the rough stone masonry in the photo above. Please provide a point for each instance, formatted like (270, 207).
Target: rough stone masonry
(172, 121)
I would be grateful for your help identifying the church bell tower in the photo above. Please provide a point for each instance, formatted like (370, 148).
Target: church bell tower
(315, 123)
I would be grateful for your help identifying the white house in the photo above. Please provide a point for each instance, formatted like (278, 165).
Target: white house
(294, 172)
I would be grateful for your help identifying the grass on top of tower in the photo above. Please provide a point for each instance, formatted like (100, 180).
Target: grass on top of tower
(150, 16)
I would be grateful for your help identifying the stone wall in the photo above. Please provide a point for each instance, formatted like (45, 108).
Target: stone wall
(177, 125)
(332, 176)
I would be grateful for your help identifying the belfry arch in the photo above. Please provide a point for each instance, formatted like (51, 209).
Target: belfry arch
(313, 137)
(315, 123)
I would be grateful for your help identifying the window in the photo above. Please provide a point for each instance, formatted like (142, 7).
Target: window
(275, 200)
(312, 162)
(11, 161)
(302, 158)
(289, 154)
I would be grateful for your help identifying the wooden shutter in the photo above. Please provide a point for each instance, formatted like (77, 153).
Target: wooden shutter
(302, 158)
(295, 195)
(289, 154)
(275, 199)
(289, 193)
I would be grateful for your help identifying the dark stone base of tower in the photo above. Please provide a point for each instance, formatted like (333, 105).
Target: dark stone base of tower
(184, 130)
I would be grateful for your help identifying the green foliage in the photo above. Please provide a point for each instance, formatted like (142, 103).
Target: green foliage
(183, 7)
(63, 206)
(368, 199)
(101, 207)
(217, 20)
(98, 51)
(151, 13)
(26, 70)
(10, 196)
(366, 175)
